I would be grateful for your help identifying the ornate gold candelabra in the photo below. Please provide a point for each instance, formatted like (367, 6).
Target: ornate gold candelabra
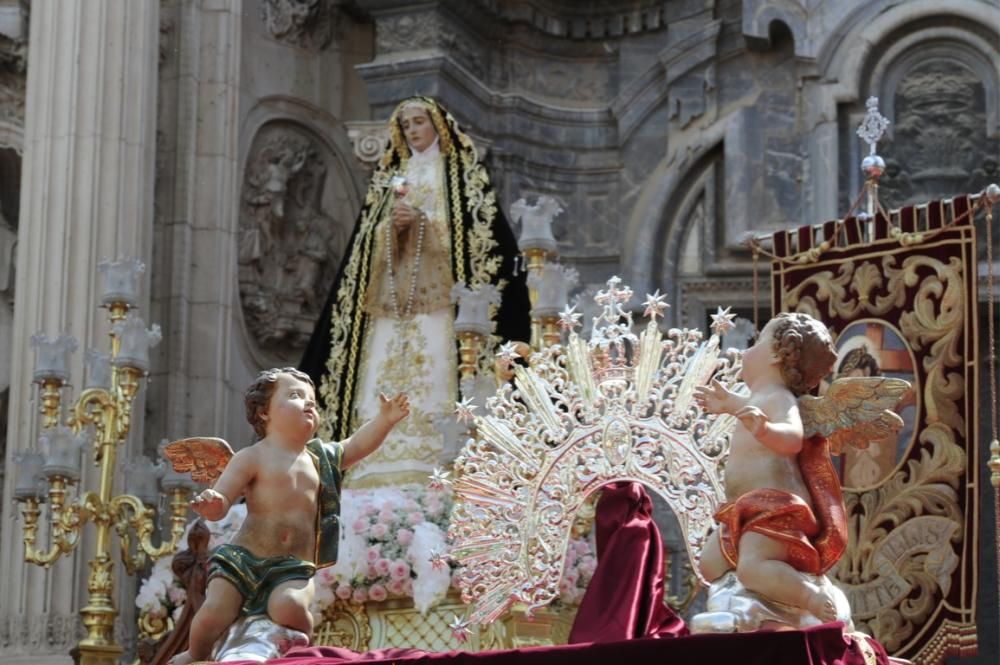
(536, 267)
(538, 245)
(470, 344)
(103, 412)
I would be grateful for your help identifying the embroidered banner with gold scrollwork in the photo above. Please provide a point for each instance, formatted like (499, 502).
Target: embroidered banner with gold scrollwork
(899, 297)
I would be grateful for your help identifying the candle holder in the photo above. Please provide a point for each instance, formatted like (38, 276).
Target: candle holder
(537, 244)
(551, 285)
(100, 416)
(472, 324)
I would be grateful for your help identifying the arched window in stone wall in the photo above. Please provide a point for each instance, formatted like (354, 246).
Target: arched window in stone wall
(940, 90)
(692, 259)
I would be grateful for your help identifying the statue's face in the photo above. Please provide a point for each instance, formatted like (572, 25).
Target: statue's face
(417, 128)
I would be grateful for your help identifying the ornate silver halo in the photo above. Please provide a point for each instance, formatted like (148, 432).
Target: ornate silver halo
(581, 416)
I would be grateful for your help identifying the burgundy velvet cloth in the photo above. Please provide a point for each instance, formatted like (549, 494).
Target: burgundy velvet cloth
(625, 598)
(823, 645)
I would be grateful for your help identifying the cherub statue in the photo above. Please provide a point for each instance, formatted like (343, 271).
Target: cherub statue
(783, 525)
(291, 482)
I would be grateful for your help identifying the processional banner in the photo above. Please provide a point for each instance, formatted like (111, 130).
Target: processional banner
(899, 296)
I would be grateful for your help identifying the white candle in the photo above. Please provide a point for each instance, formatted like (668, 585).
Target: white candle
(62, 451)
(141, 479)
(135, 343)
(474, 307)
(52, 356)
(29, 478)
(97, 369)
(536, 223)
(553, 287)
(121, 280)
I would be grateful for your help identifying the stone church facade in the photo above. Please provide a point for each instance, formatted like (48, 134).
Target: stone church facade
(227, 143)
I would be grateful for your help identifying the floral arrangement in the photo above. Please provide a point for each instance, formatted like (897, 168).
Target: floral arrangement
(388, 541)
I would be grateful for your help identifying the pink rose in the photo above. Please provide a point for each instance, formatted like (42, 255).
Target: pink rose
(571, 577)
(359, 596)
(380, 531)
(397, 587)
(410, 505)
(415, 517)
(434, 507)
(374, 552)
(389, 505)
(386, 516)
(372, 571)
(408, 586)
(359, 525)
(382, 566)
(344, 591)
(404, 536)
(377, 592)
(177, 595)
(399, 570)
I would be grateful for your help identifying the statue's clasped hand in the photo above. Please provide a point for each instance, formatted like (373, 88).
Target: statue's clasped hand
(404, 216)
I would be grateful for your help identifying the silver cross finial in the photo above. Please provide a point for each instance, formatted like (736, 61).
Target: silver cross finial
(873, 126)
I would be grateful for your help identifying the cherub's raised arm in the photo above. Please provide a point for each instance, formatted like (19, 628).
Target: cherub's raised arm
(371, 435)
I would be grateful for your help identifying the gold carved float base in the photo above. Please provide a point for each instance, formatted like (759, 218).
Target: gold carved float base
(396, 623)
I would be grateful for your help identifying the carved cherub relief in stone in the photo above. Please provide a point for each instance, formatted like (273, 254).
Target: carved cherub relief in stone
(289, 248)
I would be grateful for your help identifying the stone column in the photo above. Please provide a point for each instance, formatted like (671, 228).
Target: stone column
(87, 194)
(195, 296)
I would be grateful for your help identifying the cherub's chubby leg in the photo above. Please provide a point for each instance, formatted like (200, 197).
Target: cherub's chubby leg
(288, 605)
(220, 609)
(762, 569)
(712, 564)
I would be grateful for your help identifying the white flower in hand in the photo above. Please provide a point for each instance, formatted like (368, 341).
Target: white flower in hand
(209, 504)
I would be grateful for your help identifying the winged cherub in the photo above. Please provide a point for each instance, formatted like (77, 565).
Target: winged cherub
(291, 482)
(783, 525)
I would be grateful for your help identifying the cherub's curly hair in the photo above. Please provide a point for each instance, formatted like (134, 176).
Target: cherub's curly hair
(805, 350)
(258, 395)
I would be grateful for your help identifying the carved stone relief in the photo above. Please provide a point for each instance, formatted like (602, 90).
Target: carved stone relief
(305, 23)
(429, 30)
(289, 246)
(939, 146)
(13, 68)
(561, 79)
(369, 138)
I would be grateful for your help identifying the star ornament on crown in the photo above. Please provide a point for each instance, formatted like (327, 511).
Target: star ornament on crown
(584, 414)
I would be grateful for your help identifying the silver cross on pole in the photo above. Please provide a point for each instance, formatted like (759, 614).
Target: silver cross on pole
(871, 130)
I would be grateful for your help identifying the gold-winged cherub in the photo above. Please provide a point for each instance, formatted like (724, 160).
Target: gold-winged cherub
(783, 525)
(291, 482)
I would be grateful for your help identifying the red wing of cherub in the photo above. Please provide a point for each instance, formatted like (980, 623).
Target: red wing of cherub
(854, 411)
(204, 457)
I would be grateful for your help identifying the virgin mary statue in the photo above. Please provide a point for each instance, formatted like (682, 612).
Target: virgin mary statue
(430, 220)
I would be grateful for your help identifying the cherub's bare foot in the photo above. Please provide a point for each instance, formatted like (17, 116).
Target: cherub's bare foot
(181, 659)
(822, 605)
